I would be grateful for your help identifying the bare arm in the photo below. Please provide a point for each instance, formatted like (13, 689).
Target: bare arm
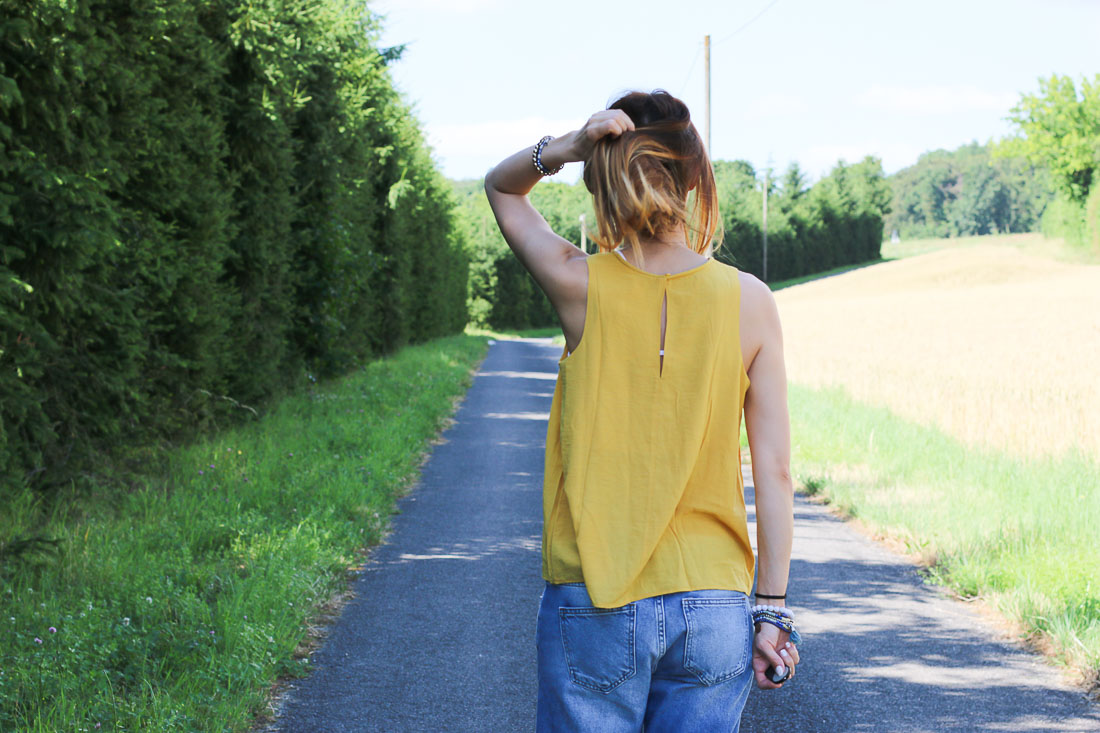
(556, 264)
(768, 425)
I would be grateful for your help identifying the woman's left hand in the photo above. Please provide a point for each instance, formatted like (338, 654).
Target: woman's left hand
(772, 647)
(613, 122)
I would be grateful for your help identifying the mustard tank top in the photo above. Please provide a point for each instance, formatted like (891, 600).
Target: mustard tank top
(642, 492)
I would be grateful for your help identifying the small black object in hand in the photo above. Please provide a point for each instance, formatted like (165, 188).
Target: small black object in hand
(776, 677)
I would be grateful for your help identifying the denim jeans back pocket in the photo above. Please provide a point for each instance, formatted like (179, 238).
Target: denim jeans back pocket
(718, 643)
(599, 645)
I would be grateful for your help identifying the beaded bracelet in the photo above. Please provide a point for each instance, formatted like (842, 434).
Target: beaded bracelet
(782, 621)
(778, 621)
(778, 617)
(536, 158)
(781, 610)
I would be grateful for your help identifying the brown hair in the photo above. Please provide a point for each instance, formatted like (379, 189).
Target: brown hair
(653, 179)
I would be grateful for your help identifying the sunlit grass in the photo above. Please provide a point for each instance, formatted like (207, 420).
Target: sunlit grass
(948, 399)
(174, 606)
(1018, 531)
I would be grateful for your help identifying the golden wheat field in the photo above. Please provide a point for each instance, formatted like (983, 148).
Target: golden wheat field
(997, 347)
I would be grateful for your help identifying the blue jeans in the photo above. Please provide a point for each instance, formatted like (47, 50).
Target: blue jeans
(678, 662)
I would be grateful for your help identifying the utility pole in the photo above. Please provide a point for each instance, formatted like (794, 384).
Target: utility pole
(766, 171)
(706, 60)
(584, 236)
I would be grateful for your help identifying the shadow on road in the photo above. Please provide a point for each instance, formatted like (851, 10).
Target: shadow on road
(883, 651)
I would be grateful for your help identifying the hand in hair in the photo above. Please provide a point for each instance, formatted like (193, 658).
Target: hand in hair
(613, 122)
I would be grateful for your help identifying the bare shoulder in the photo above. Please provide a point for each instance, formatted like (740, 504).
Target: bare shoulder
(759, 318)
(757, 300)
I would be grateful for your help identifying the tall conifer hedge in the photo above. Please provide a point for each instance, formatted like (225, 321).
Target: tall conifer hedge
(200, 203)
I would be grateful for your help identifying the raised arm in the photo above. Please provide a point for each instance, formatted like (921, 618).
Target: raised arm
(556, 264)
(768, 425)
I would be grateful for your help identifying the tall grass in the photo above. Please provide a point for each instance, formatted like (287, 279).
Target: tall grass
(1018, 531)
(174, 606)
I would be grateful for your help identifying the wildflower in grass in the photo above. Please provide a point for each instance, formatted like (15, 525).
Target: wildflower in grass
(125, 620)
(37, 640)
(200, 472)
(211, 465)
(53, 630)
(148, 599)
(211, 632)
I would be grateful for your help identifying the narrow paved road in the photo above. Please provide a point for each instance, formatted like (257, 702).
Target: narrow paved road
(439, 636)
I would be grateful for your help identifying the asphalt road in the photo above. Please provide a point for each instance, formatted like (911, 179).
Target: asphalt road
(440, 633)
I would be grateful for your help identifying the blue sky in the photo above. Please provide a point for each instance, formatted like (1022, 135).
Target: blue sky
(811, 81)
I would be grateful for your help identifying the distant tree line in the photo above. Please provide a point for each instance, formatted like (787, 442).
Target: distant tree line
(837, 221)
(965, 192)
(201, 204)
(1043, 178)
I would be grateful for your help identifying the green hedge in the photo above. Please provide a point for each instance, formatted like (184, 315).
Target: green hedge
(837, 221)
(501, 293)
(201, 203)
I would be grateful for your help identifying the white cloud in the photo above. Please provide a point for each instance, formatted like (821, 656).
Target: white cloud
(935, 99)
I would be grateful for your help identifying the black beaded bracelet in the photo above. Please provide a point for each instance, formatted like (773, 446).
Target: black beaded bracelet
(536, 158)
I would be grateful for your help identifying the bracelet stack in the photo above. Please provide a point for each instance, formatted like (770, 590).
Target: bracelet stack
(778, 617)
(536, 158)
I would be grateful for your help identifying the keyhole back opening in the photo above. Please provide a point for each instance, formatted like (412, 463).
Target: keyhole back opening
(664, 321)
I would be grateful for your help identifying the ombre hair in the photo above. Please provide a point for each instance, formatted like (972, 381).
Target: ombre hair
(654, 179)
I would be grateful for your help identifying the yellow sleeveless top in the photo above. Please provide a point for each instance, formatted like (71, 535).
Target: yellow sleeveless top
(642, 493)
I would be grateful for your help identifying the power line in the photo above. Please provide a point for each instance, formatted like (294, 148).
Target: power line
(683, 87)
(750, 21)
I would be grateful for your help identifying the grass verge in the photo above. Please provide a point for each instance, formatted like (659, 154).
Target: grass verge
(1019, 533)
(176, 605)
